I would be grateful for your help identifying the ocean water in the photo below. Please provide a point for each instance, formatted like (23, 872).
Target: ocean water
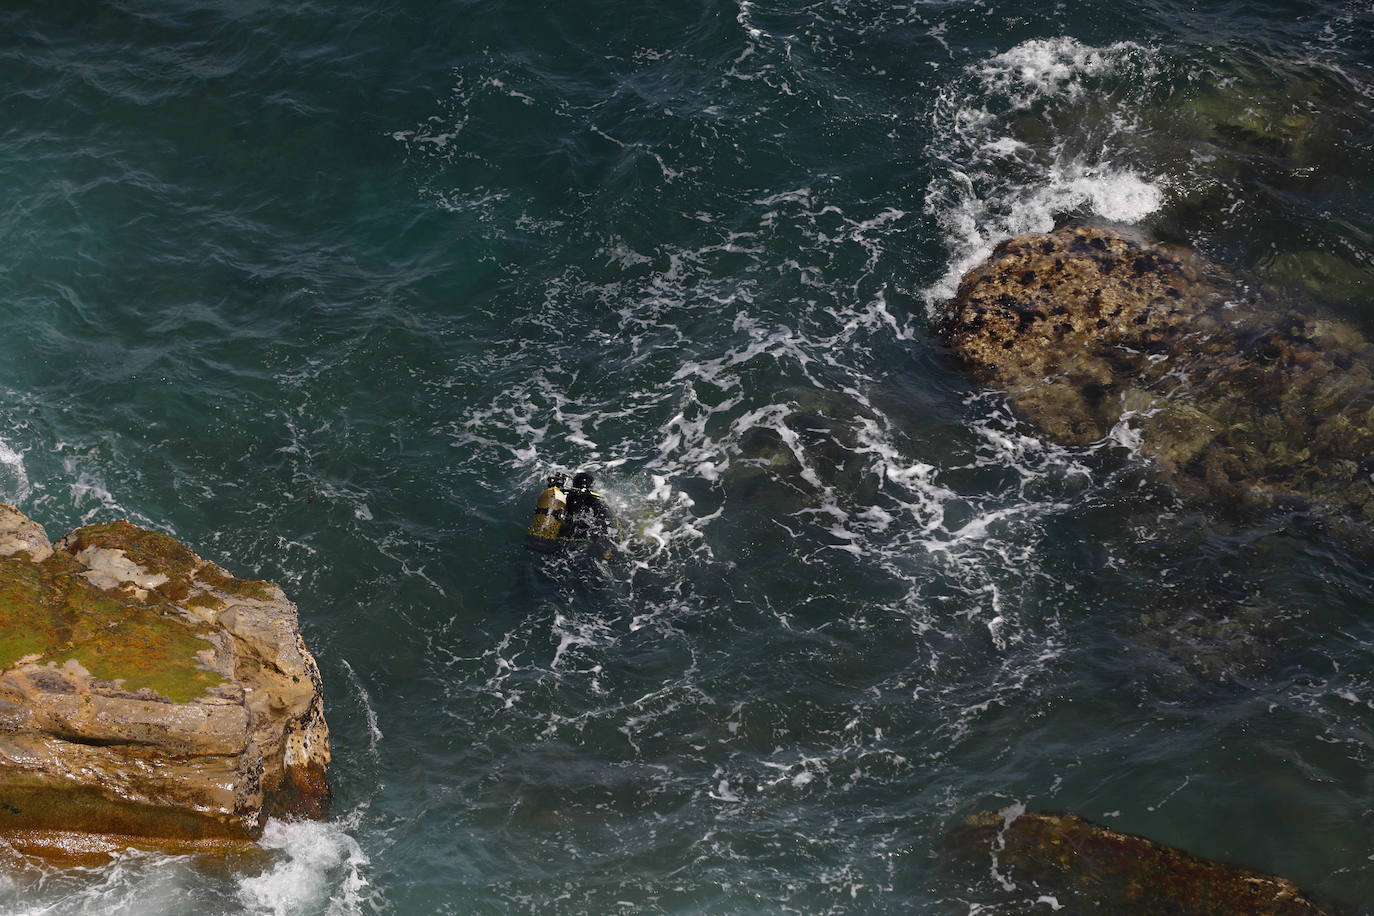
(325, 290)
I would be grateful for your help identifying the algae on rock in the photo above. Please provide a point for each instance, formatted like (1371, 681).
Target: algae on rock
(1086, 329)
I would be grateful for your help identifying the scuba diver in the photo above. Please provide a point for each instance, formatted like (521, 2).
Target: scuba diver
(575, 516)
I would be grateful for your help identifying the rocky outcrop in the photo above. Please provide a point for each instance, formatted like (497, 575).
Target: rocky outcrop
(1084, 328)
(147, 697)
(1084, 867)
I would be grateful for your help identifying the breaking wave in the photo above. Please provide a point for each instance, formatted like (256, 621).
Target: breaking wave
(1027, 137)
(319, 868)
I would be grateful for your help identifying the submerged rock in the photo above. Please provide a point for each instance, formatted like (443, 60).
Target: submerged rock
(1323, 275)
(147, 697)
(1085, 328)
(807, 444)
(1084, 867)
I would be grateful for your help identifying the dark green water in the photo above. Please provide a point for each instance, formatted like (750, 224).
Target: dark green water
(326, 290)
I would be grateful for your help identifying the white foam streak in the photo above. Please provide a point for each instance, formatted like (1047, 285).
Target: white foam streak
(1125, 435)
(87, 487)
(374, 729)
(133, 884)
(1049, 68)
(975, 220)
(980, 527)
(1009, 815)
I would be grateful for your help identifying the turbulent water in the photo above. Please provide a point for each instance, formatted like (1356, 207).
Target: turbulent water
(325, 290)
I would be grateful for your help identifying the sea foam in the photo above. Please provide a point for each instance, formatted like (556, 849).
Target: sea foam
(321, 869)
(14, 482)
(1005, 178)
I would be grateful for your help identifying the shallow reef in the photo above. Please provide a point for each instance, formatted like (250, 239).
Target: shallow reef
(1092, 332)
(1255, 412)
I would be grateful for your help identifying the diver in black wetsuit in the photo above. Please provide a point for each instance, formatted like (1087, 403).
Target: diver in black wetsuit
(586, 517)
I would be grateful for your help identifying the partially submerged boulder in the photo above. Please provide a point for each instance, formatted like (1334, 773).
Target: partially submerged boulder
(147, 697)
(1086, 329)
(1081, 866)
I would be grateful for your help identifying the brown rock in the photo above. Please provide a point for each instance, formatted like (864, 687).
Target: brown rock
(1232, 399)
(1087, 867)
(147, 696)
(19, 532)
(1060, 321)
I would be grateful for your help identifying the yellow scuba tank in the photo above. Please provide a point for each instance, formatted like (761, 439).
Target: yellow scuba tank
(548, 516)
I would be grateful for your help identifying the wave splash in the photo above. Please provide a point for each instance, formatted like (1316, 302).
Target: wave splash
(321, 869)
(1033, 134)
(14, 482)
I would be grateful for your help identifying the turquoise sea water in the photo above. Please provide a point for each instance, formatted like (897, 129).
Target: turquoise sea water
(326, 290)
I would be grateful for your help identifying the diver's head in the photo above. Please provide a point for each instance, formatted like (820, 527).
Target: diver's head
(583, 481)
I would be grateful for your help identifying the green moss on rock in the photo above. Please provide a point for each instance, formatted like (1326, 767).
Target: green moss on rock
(51, 611)
(120, 731)
(205, 600)
(218, 579)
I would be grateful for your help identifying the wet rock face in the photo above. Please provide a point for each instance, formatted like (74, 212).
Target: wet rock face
(1084, 328)
(147, 696)
(1085, 867)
